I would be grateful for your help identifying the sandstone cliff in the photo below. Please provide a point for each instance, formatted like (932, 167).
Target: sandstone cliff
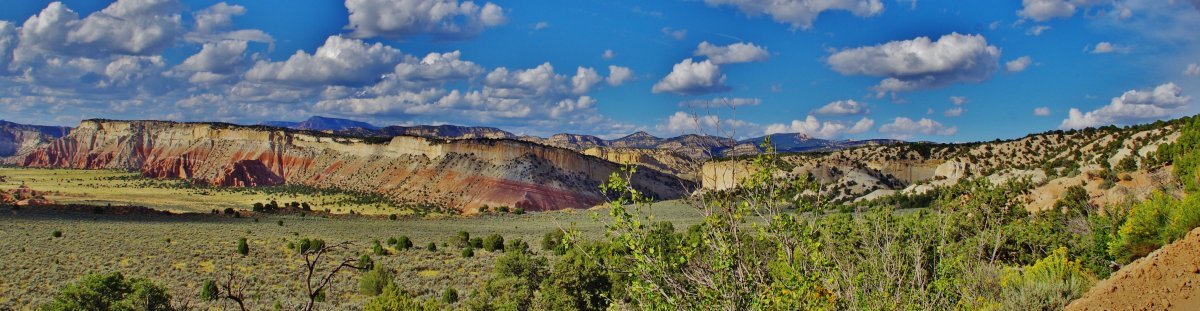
(20, 139)
(459, 174)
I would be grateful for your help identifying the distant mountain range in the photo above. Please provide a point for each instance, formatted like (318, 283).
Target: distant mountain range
(690, 145)
(318, 123)
(16, 138)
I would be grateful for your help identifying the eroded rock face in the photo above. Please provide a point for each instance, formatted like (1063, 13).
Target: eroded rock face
(463, 174)
(20, 139)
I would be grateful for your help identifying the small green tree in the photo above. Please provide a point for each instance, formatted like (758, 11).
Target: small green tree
(377, 248)
(111, 291)
(365, 262)
(373, 282)
(431, 247)
(468, 252)
(493, 243)
(208, 291)
(449, 296)
(404, 242)
(242, 247)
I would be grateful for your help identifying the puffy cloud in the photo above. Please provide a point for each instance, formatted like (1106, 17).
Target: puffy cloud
(340, 61)
(215, 23)
(584, 79)
(1044, 10)
(954, 112)
(1131, 107)
(844, 108)
(215, 62)
(721, 102)
(433, 69)
(1192, 69)
(731, 54)
(219, 57)
(446, 19)
(692, 78)
(921, 63)
(1019, 64)
(130, 27)
(8, 42)
(1041, 111)
(608, 54)
(1108, 47)
(905, 128)
(541, 25)
(811, 126)
(1037, 30)
(800, 14)
(618, 75)
(677, 34)
(686, 123)
(959, 100)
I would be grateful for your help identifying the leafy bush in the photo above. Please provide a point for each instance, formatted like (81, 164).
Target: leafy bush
(365, 262)
(1153, 223)
(449, 296)
(377, 249)
(56, 233)
(493, 243)
(431, 247)
(373, 282)
(242, 247)
(476, 242)
(461, 239)
(111, 291)
(392, 298)
(1049, 284)
(209, 291)
(468, 252)
(404, 243)
(307, 245)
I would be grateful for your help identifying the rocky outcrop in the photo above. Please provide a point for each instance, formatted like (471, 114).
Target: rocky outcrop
(20, 139)
(1167, 279)
(459, 174)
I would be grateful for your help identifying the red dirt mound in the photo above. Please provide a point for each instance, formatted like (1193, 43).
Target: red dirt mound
(1167, 279)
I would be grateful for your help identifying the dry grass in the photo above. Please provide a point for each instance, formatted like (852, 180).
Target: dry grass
(181, 251)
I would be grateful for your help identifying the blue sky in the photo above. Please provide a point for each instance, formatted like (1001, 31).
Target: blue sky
(839, 69)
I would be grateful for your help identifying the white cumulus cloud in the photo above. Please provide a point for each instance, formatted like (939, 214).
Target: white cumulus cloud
(1131, 107)
(692, 78)
(843, 108)
(740, 52)
(813, 127)
(618, 75)
(1041, 111)
(340, 61)
(1019, 64)
(905, 128)
(446, 19)
(800, 14)
(921, 63)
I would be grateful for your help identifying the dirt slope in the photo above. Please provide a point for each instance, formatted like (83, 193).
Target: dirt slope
(1167, 279)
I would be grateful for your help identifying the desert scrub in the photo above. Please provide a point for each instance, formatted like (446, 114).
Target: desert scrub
(1049, 284)
(111, 291)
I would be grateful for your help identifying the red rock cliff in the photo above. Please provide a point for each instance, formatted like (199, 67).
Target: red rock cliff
(463, 174)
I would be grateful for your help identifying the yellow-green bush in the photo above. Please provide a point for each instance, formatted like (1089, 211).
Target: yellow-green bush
(1049, 284)
(1154, 223)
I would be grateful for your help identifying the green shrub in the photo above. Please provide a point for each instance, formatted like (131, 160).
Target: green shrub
(404, 242)
(476, 242)
(431, 247)
(392, 298)
(392, 241)
(449, 296)
(110, 291)
(468, 252)
(493, 242)
(307, 245)
(365, 262)
(373, 282)
(1153, 223)
(242, 247)
(461, 239)
(280, 222)
(377, 249)
(209, 291)
(553, 240)
(56, 233)
(1049, 284)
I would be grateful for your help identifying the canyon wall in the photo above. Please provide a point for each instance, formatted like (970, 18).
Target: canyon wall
(459, 174)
